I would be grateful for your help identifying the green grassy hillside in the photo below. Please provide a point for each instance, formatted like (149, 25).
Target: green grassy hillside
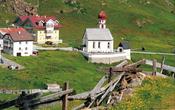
(157, 33)
(52, 67)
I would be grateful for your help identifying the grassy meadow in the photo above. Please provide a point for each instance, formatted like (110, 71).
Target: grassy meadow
(157, 33)
(52, 67)
(154, 94)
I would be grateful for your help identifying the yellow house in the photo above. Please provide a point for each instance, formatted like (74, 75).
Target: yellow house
(44, 29)
(43, 37)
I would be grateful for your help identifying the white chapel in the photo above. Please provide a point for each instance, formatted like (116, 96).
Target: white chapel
(98, 44)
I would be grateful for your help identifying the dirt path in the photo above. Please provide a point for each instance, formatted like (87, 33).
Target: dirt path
(7, 62)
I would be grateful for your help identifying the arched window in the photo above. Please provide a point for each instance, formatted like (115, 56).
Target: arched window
(93, 44)
(108, 45)
(98, 44)
(120, 49)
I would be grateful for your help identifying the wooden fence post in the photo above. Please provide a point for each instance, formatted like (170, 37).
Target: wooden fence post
(65, 101)
(162, 63)
(110, 74)
(173, 75)
(154, 67)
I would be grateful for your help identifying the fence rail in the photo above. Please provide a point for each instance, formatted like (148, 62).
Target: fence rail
(29, 91)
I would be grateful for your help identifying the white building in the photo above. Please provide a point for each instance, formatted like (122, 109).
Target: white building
(98, 44)
(98, 40)
(124, 47)
(53, 87)
(17, 41)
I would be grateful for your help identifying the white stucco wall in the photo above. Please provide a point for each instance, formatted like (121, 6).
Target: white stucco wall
(107, 58)
(1, 44)
(128, 53)
(103, 46)
(23, 45)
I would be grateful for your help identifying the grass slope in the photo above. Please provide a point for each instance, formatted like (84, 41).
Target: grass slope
(157, 35)
(154, 94)
(52, 67)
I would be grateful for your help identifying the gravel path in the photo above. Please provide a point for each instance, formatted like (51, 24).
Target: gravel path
(7, 62)
(153, 53)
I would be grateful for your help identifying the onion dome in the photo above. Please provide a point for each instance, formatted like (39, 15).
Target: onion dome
(102, 15)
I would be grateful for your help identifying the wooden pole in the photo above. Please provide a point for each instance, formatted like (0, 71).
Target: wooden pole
(110, 74)
(162, 63)
(154, 67)
(65, 101)
(173, 75)
(136, 64)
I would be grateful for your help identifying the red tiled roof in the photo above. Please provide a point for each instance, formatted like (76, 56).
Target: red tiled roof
(36, 19)
(23, 18)
(17, 34)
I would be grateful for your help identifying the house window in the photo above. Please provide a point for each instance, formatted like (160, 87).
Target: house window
(44, 24)
(48, 37)
(26, 48)
(26, 42)
(49, 31)
(37, 23)
(19, 42)
(93, 44)
(108, 45)
(98, 44)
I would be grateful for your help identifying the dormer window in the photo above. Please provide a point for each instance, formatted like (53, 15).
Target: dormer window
(41, 23)
(49, 25)
(37, 23)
